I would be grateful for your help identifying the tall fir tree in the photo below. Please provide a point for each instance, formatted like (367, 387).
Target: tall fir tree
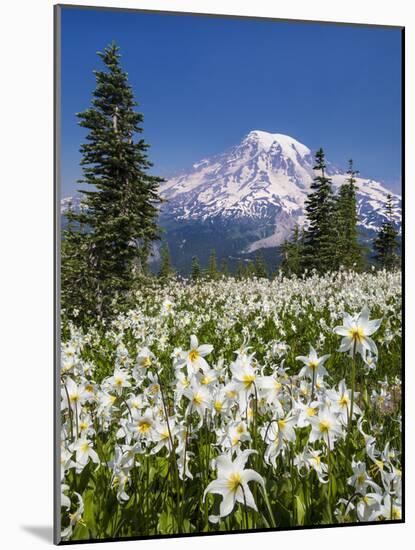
(166, 268)
(292, 253)
(260, 266)
(386, 243)
(195, 270)
(319, 242)
(224, 268)
(212, 271)
(348, 251)
(250, 270)
(240, 270)
(120, 210)
(77, 274)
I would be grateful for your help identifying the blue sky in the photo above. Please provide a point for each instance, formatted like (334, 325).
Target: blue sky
(204, 82)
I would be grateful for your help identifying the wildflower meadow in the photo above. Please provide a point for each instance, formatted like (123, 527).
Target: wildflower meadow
(222, 405)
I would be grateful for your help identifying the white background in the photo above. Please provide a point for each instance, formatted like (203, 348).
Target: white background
(26, 306)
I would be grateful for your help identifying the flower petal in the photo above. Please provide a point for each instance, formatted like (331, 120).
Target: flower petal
(252, 475)
(227, 504)
(217, 486)
(240, 460)
(193, 342)
(244, 496)
(205, 349)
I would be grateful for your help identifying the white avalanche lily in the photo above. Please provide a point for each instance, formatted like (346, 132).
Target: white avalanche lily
(341, 401)
(84, 452)
(313, 364)
(194, 357)
(327, 427)
(119, 380)
(244, 374)
(232, 482)
(356, 331)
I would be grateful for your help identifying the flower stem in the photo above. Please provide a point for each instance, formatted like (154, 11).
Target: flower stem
(245, 508)
(173, 455)
(329, 484)
(313, 385)
(268, 505)
(349, 428)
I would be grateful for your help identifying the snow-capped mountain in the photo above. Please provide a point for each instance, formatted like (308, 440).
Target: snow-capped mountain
(264, 179)
(71, 203)
(249, 198)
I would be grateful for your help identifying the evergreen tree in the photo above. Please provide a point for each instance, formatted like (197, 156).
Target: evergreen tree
(260, 266)
(386, 243)
(77, 275)
(166, 269)
(224, 269)
(249, 271)
(196, 271)
(349, 253)
(212, 266)
(120, 214)
(319, 245)
(240, 270)
(292, 253)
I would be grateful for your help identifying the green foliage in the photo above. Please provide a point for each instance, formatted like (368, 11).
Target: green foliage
(260, 266)
(319, 240)
(77, 274)
(196, 271)
(250, 270)
(287, 311)
(349, 253)
(331, 240)
(292, 253)
(166, 268)
(224, 269)
(212, 271)
(240, 270)
(386, 243)
(119, 213)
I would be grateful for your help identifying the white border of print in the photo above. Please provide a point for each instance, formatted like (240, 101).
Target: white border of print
(26, 228)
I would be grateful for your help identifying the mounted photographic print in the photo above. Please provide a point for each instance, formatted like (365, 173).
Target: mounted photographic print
(229, 243)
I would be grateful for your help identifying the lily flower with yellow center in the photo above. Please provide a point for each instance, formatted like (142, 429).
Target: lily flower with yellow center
(340, 402)
(277, 434)
(313, 365)
(270, 392)
(74, 518)
(244, 376)
(360, 479)
(194, 357)
(84, 452)
(356, 331)
(119, 380)
(167, 307)
(208, 377)
(142, 424)
(199, 398)
(75, 392)
(164, 434)
(145, 358)
(311, 459)
(305, 412)
(232, 483)
(325, 426)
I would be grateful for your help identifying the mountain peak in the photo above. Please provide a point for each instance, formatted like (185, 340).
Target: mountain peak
(252, 195)
(264, 180)
(267, 140)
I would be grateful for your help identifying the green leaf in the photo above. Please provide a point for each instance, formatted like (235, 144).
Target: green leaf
(300, 509)
(89, 510)
(165, 523)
